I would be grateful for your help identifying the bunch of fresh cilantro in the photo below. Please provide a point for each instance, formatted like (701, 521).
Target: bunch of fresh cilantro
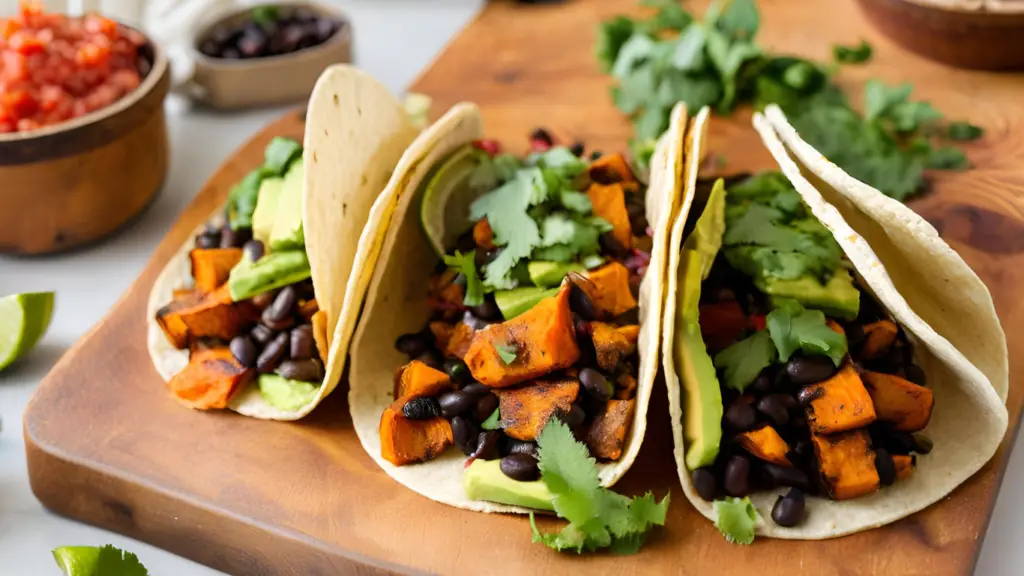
(672, 57)
(598, 518)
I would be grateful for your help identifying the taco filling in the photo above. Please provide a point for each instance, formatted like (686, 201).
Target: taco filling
(793, 377)
(250, 317)
(534, 313)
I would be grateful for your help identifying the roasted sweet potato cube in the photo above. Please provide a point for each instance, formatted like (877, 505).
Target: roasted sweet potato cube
(846, 463)
(905, 405)
(212, 314)
(526, 410)
(607, 434)
(766, 444)
(613, 343)
(211, 266)
(839, 403)
(404, 441)
(443, 293)
(611, 168)
(608, 289)
(609, 202)
(878, 338)
(483, 235)
(452, 339)
(625, 387)
(308, 308)
(417, 379)
(904, 465)
(542, 340)
(211, 378)
(319, 322)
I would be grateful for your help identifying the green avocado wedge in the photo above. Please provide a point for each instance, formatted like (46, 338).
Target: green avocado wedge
(484, 480)
(838, 298)
(514, 302)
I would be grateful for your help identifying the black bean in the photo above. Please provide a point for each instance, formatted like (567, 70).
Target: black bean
(523, 447)
(272, 354)
(261, 334)
(464, 433)
(432, 358)
(485, 406)
(254, 249)
(885, 466)
(302, 345)
(307, 370)
(413, 344)
(631, 316)
(324, 29)
(786, 476)
(596, 154)
(804, 370)
(574, 417)
(282, 306)
(488, 310)
(421, 408)
(915, 374)
(228, 238)
(581, 304)
(596, 384)
(207, 241)
(457, 370)
(899, 442)
(487, 445)
(737, 476)
(455, 403)
(476, 389)
(774, 407)
(740, 416)
(789, 509)
(264, 299)
(473, 322)
(704, 483)
(611, 246)
(854, 337)
(521, 467)
(244, 350)
(230, 54)
(279, 325)
(922, 444)
(763, 383)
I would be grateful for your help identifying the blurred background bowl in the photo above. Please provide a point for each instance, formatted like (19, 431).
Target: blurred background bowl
(68, 184)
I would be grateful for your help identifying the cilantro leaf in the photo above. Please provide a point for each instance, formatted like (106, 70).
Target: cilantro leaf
(947, 158)
(98, 561)
(575, 201)
(743, 361)
(492, 422)
(736, 518)
(611, 36)
(562, 161)
(793, 328)
(852, 54)
(737, 19)
(688, 54)
(465, 264)
(506, 211)
(506, 352)
(670, 16)
(879, 99)
(963, 131)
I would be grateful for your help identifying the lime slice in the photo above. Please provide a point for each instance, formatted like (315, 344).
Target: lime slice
(24, 319)
(77, 560)
(444, 208)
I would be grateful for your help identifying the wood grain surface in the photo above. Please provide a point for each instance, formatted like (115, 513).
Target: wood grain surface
(107, 445)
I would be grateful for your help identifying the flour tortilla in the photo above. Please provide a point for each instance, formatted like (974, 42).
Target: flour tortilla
(967, 424)
(356, 133)
(397, 305)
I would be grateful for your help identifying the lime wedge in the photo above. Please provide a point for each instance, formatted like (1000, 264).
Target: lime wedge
(77, 560)
(444, 208)
(24, 319)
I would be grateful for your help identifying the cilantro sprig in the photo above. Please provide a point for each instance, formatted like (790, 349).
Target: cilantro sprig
(736, 519)
(97, 561)
(793, 328)
(744, 360)
(465, 264)
(598, 518)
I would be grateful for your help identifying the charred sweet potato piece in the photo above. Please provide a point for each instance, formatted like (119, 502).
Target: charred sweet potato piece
(607, 434)
(608, 289)
(452, 339)
(904, 404)
(721, 324)
(443, 293)
(839, 403)
(766, 444)
(526, 410)
(417, 379)
(483, 235)
(404, 441)
(609, 202)
(611, 168)
(904, 465)
(846, 463)
(308, 308)
(612, 344)
(212, 314)
(211, 378)
(542, 339)
(625, 387)
(319, 322)
(878, 338)
(211, 266)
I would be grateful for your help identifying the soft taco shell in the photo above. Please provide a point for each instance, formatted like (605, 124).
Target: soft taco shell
(397, 305)
(356, 133)
(964, 399)
(935, 281)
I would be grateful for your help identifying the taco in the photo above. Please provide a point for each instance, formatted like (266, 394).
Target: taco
(512, 291)
(797, 373)
(256, 311)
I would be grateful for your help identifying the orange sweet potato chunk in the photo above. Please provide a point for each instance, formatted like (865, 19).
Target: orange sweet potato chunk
(611, 168)
(905, 404)
(609, 202)
(608, 289)
(483, 235)
(607, 434)
(212, 314)
(904, 465)
(846, 463)
(612, 344)
(452, 339)
(404, 441)
(878, 338)
(542, 339)
(526, 410)
(211, 378)
(211, 266)
(839, 403)
(319, 322)
(417, 379)
(766, 444)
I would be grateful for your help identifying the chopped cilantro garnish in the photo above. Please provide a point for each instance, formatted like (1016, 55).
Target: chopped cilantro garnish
(506, 352)
(492, 421)
(793, 328)
(744, 360)
(963, 131)
(852, 54)
(97, 561)
(736, 518)
(598, 518)
(465, 264)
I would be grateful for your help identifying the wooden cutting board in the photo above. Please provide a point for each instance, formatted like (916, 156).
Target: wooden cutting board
(108, 446)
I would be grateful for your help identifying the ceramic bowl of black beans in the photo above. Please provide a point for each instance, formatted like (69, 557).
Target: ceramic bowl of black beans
(267, 54)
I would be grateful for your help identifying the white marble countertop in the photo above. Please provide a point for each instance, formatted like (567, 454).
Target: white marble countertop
(394, 39)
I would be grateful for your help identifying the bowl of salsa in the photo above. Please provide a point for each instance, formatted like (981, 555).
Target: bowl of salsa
(83, 138)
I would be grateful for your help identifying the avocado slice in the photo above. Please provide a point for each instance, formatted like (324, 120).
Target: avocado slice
(484, 480)
(546, 274)
(838, 298)
(274, 270)
(286, 394)
(266, 208)
(514, 302)
(287, 233)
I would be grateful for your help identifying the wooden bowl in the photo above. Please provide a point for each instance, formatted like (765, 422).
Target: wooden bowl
(281, 79)
(72, 183)
(977, 39)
